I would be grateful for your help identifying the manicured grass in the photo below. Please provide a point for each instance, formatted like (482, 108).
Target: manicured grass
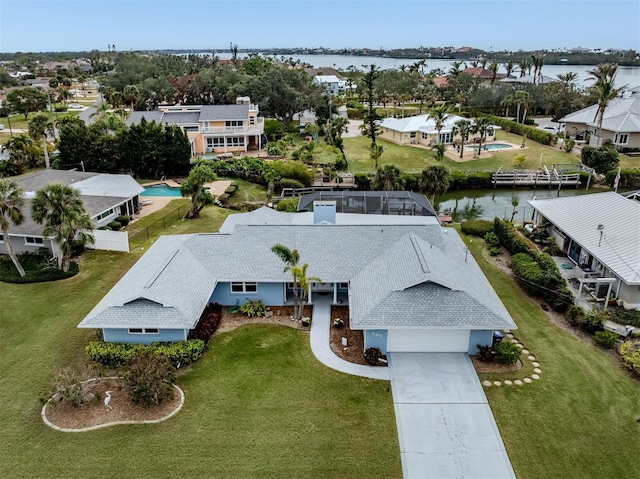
(407, 158)
(258, 404)
(247, 192)
(580, 419)
(18, 121)
(627, 162)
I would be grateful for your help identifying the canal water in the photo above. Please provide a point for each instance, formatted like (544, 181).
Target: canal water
(489, 203)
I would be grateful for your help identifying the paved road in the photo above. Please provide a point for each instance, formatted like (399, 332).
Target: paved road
(445, 425)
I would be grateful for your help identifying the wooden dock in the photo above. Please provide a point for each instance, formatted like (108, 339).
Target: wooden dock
(534, 178)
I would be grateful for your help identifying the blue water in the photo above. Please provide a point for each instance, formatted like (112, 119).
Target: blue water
(492, 146)
(160, 190)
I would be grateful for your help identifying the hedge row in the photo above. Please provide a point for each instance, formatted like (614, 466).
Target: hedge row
(470, 181)
(34, 274)
(530, 132)
(629, 178)
(118, 354)
(477, 228)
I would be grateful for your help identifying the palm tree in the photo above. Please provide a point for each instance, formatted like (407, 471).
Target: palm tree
(456, 68)
(22, 151)
(61, 210)
(194, 186)
(507, 102)
(439, 115)
(131, 94)
(291, 259)
(568, 80)
(493, 68)
(481, 126)
(11, 203)
(439, 149)
(375, 152)
(434, 180)
(524, 66)
(521, 98)
(509, 67)
(40, 126)
(388, 178)
(337, 127)
(537, 61)
(605, 76)
(463, 128)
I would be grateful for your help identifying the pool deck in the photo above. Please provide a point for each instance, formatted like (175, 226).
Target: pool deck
(216, 188)
(469, 154)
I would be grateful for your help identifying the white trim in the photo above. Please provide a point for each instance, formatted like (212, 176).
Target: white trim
(244, 287)
(35, 241)
(143, 330)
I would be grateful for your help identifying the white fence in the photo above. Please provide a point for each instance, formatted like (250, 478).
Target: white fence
(110, 240)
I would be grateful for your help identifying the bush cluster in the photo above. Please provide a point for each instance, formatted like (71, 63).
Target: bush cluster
(590, 322)
(470, 181)
(208, 323)
(629, 178)
(372, 355)
(531, 132)
(630, 356)
(119, 354)
(37, 267)
(478, 228)
(603, 159)
(253, 308)
(148, 379)
(605, 339)
(506, 352)
(288, 204)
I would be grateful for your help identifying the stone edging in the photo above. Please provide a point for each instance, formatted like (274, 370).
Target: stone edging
(508, 382)
(43, 413)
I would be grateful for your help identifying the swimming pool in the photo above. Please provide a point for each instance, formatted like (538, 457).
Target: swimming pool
(161, 190)
(492, 146)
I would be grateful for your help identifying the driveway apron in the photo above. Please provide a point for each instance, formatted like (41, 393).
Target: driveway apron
(445, 426)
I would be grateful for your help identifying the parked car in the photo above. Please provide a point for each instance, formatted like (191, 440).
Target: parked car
(550, 129)
(75, 106)
(1, 126)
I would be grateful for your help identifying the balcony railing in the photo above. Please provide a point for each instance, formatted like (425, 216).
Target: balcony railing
(256, 129)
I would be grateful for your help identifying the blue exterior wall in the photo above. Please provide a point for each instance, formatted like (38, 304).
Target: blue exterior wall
(271, 294)
(113, 335)
(482, 337)
(376, 338)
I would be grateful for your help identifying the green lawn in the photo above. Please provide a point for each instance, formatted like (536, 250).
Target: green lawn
(247, 192)
(18, 121)
(581, 418)
(407, 158)
(257, 405)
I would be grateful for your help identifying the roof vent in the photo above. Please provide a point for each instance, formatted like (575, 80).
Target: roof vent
(324, 212)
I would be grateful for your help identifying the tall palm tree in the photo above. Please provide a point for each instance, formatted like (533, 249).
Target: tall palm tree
(493, 68)
(509, 67)
(456, 68)
(568, 80)
(11, 204)
(537, 61)
(131, 95)
(524, 66)
(507, 102)
(22, 151)
(61, 210)
(522, 98)
(375, 152)
(439, 115)
(481, 127)
(434, 180)
(463, 128)
(41, 126)
(439, 148)
(388, 178)
(605, 76)
(301, 282)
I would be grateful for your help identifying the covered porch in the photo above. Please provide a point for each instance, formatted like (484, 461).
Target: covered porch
(337, 291)
(591, 288)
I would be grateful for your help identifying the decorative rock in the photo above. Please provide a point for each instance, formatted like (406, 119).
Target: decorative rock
(506, 331)
(531, 358)
(519, 345)
(517, 382)
(344, 342)
(537, 370)
(535, 376)
(527, 380)
(535, 364)
(510, 336)
(514, 341)
(508, 382)
(525, 351)
(497, 383)
(486, 383)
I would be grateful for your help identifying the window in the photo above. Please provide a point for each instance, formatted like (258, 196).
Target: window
(215, 142)
(233, 123)
(424, 136)
(344, 285)
(1, 239)
(104, 214)
(621, 138)
(412, 134)
(241, 287)
(252, 120)
(30, 240)
(235, 141)
(191, 129)
(143, 331)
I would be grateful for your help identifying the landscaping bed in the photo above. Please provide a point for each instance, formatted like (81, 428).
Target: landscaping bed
(353, 352)
(37, 267)
(281, 315)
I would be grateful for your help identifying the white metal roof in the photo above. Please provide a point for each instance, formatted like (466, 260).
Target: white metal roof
(621, 115)
(419, 123)
(579, 217)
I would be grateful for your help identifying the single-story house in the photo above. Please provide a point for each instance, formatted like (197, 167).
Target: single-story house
(105, 197)
(620, 123)
(410, 283)
(371, 202)
(530, 79)
(333, 85)
(600, 234)
(212, 128)
(421, 130)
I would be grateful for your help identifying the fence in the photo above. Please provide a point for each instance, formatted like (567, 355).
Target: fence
(110, 240)
(141, 232)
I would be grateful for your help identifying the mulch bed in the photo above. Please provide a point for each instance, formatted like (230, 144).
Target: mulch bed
(282, 315)
(353, 352)
(94, 413)
(483, 367)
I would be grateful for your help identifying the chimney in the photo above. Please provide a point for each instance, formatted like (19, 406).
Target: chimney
(324, 211)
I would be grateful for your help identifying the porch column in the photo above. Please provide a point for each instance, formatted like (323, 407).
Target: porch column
(245, 142)
(309, 295)
(335, 293)
(606, 301)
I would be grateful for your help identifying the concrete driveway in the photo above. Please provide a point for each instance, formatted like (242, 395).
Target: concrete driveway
(445, 426)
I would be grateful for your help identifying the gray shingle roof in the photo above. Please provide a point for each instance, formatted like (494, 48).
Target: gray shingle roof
(42, 178)
(136, 116)
(393, 269)
(181, 117)
(224, 112)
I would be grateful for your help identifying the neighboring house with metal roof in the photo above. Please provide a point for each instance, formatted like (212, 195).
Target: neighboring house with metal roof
(421, 130)
(411, 285)
(600, 234)
(620, 123)
(212, 128)
(105, 197)
(333, 85)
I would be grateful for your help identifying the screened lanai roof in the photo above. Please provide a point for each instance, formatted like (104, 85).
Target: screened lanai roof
(372, 202)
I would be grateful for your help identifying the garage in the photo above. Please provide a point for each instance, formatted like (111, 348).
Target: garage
(430, 341)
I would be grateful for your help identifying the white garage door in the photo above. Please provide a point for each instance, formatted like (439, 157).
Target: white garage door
(434, 341)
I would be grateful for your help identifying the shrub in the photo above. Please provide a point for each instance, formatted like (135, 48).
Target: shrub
(115, 226)
(411, 182)
(624, 316)
(494, 251)
(253, 308)
(491, 239)
(289, 183)
(338, 323)
(575, 315)
(485, 353)
(569, 145)
(519, 160)
(629, 178)
(605, 339)
(70, 386)
(479, 179)
(630, 356)
(601, 159)
(477, 228)
(527, 272)
(506, 352)
(208, 323)
(363, 181)
(531, 132)
(123, 219)
(118, 354)
(372, 355)
(293, 170)
(148, 379)
(288, 204)
(37, 267)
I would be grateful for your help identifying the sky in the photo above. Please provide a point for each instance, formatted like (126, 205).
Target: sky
(82, 25)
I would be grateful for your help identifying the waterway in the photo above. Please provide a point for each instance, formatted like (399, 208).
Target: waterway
(629, 76)
(489, 203)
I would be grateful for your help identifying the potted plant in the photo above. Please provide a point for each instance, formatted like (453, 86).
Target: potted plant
(305, 321)
(611, 300)
(338, 323)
